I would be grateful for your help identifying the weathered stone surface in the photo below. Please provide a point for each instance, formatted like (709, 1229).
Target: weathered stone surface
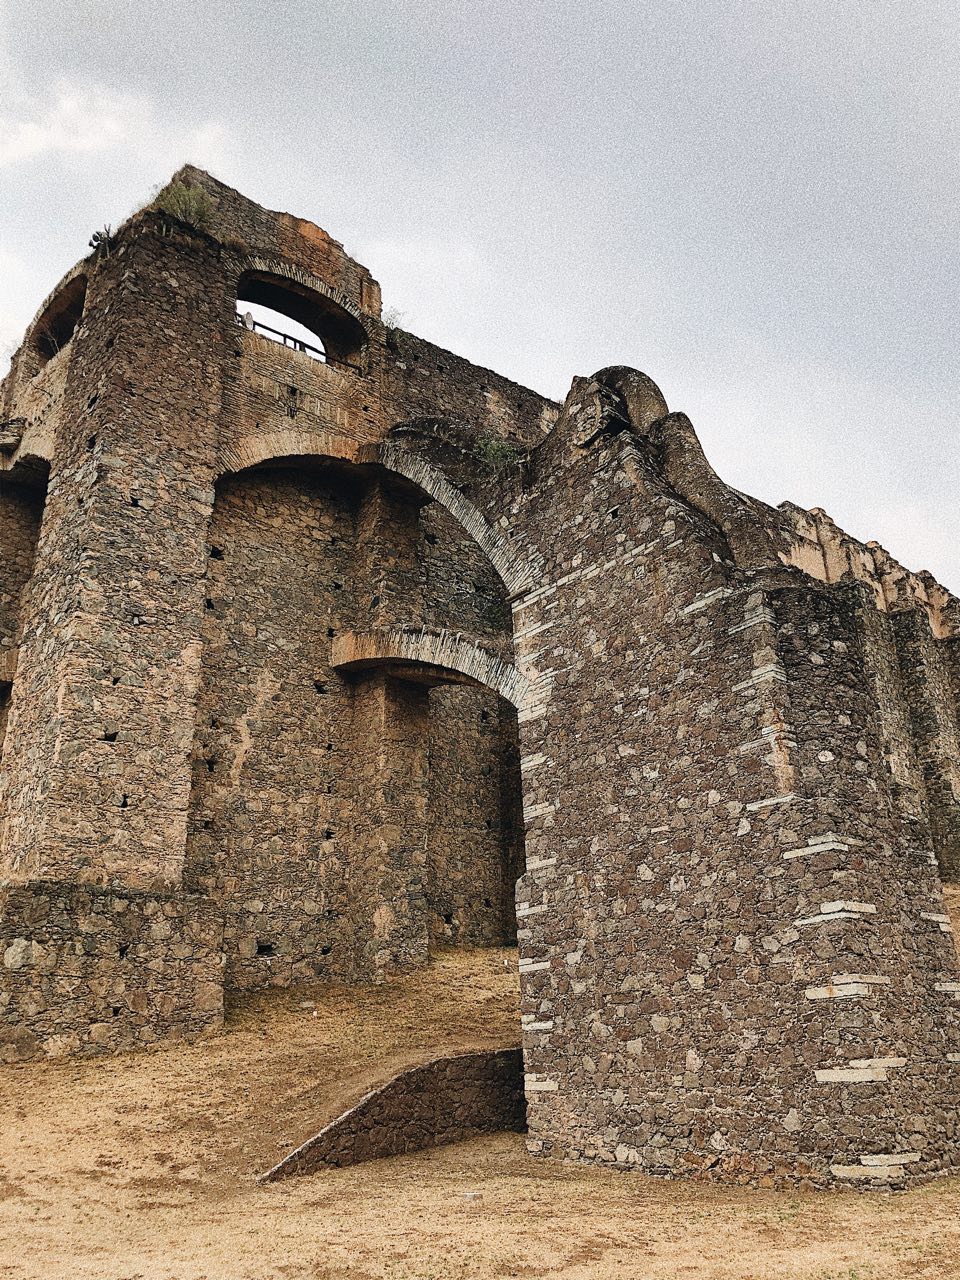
(443, 1101)
(87, 971)
(283, 640)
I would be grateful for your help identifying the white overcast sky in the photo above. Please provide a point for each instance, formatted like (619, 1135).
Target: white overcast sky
(755, 203)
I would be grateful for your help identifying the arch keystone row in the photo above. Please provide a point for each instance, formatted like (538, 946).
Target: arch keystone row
(439, 654)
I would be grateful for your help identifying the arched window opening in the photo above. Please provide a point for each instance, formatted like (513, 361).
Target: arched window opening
(56, 326)
(299, 318)
(280, 328)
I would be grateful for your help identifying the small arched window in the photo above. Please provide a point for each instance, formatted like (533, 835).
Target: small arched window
(280, 328)
(56, 326)
(297, 317)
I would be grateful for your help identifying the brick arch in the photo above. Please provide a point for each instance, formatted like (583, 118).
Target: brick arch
(32, 459)
(293, 442)
(296, 275)
(518, 565)
(515, 568)
(433, 650)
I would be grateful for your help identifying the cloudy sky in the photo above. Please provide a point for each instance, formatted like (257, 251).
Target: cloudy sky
(754, 202)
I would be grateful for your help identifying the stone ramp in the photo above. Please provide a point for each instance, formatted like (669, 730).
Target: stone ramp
(443, 1101)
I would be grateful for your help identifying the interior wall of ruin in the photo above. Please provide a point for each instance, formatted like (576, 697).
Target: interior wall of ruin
(475, 833)
(292, 791)
(271, 805)
(475, 819)
(21, 511)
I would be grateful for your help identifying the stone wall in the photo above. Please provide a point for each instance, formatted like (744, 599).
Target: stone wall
(475, 818)
(447, 1100)
(734, 952)
(295, 630)
(271, 808)
(102, 707)
(88, 970)
(22, 497)
(21, 510)
(277, 826)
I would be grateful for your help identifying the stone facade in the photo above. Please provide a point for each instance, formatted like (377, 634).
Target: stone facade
(310, 666)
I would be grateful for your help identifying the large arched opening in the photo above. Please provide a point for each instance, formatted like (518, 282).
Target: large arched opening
(351, 817)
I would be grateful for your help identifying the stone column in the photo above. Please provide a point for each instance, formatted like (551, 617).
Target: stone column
(389, 574)
(97, 777)
(391, 725)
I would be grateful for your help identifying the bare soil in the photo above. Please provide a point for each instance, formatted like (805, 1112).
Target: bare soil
(143, 1168)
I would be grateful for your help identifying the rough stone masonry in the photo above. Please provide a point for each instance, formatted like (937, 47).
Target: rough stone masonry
(316, 657)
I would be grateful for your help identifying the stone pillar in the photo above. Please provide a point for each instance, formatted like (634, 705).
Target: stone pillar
(97, 771)
(391, 726)
(389, 574)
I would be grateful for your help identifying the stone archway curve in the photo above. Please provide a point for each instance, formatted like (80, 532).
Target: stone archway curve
(432, 650)
(515, 569)
(516, 566)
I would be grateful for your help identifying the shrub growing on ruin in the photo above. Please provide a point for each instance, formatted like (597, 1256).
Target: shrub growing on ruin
(495, 454)
(191, 205)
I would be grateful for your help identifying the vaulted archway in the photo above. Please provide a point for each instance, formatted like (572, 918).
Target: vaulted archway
(356, 792)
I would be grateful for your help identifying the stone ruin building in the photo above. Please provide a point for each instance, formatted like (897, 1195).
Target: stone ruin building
(309, 666)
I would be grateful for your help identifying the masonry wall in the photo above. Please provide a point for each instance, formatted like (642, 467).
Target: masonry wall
(739, 778)
(935, 729)
(281, 753)
(732, 957)
(448, 1100)
(101, 717)
(475, 821)
(271, 804)
(90, 970)
(475, 838)
(21, 510)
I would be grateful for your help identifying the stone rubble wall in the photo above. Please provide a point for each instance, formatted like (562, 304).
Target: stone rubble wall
(93, 970)
(448, 1100)
(734, 952)
(736, 727)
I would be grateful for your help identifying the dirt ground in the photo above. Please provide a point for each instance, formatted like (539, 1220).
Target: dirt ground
(143, 1168)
